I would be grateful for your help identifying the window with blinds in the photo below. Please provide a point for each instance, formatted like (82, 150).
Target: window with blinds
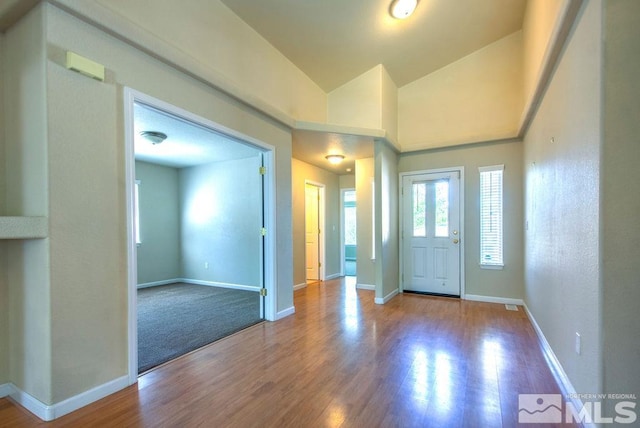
(491, 216)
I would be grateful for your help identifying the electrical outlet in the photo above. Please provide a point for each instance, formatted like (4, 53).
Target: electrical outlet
(206, 265)
(578, 343)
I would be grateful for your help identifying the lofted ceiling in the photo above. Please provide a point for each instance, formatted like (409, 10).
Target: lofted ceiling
(334, 41)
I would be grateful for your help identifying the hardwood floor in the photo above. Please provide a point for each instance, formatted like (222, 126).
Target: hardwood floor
(340, 361)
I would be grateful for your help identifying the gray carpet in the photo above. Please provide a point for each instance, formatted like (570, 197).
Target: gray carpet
(178, 318)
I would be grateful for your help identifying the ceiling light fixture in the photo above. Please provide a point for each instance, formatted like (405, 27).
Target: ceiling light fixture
(334, 159)
(154, 136)
(401, 9)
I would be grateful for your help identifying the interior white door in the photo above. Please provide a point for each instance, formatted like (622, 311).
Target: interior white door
(431, 233)
(312, 231)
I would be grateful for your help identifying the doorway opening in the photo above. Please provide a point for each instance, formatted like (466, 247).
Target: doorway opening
(200, 204)
(349, 235)
(314, 231)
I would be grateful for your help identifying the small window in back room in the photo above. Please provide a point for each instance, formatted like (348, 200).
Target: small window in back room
(491, 237)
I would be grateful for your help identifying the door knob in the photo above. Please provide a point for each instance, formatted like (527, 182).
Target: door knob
(455, 241)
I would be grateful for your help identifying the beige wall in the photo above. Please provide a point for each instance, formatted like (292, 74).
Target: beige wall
(357, 103)
(386, 207)
(4, 285)
(220, 40)
(477, 98)
(389, 108)
(620, 205)
(540, 18)
(25, 166)
(364, 216)
(562, 205)
(505, 283)
(300, 172)
(348, 181)
(159, 254)
(75, 338)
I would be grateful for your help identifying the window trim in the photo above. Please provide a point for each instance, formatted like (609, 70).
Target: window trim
(500, 264)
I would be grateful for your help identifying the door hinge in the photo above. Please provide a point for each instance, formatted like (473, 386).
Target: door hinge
(319, 264)
(263, 231)
(262, 170)
(263, 292)
(318, 231)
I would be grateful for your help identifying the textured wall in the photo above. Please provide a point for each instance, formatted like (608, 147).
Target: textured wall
(358, 102)
(159, 253)
(26, 169)
(220, 221)
(387, 226)
(477, 98)
(497, 283)
(220, 40)
(87, 191)
(4, 284)
(620, 206)
(562, 205)
(364, 217)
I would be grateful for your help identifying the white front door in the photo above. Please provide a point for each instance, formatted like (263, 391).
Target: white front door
(312, 232)
(431, 233)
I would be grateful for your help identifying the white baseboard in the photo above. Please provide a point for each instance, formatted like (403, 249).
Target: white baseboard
(385, 299)
(157, 283)
(492, 299)
(332, 276)
(285, 313)
(199, 282)
(51, 412)
(219, 284)
(299, 286)
(554, 364)
(365, 287)
(5, 390)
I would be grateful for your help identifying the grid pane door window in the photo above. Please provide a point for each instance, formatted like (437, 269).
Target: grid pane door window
(491, 230)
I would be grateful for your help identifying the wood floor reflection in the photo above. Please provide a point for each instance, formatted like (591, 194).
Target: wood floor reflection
(341, 361)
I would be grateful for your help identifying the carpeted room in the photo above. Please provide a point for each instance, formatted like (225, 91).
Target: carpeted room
(199, 250)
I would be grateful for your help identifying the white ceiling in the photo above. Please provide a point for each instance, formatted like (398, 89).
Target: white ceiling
(312, 147)
(334, 41)
(187, 144)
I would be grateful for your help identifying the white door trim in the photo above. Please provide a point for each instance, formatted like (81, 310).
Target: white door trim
(460, 170)
(131, 96)
(321, 224)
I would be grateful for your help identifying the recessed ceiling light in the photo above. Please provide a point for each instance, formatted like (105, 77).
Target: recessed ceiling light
(154, 136)
(334, 159)
(401, 9)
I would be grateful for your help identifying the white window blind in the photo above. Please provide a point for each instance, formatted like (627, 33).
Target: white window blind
(491, 216)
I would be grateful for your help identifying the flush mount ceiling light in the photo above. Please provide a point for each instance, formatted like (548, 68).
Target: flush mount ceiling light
(401, 9)
(334, 159)
(154, 136)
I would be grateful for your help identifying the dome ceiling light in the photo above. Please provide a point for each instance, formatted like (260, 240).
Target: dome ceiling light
(154, 136)
(402, 9)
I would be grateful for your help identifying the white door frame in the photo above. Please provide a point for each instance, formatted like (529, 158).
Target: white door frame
(460, 170)
(321, 224)
(132, 96)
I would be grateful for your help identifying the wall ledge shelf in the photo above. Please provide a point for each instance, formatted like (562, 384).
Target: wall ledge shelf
(24, 227)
